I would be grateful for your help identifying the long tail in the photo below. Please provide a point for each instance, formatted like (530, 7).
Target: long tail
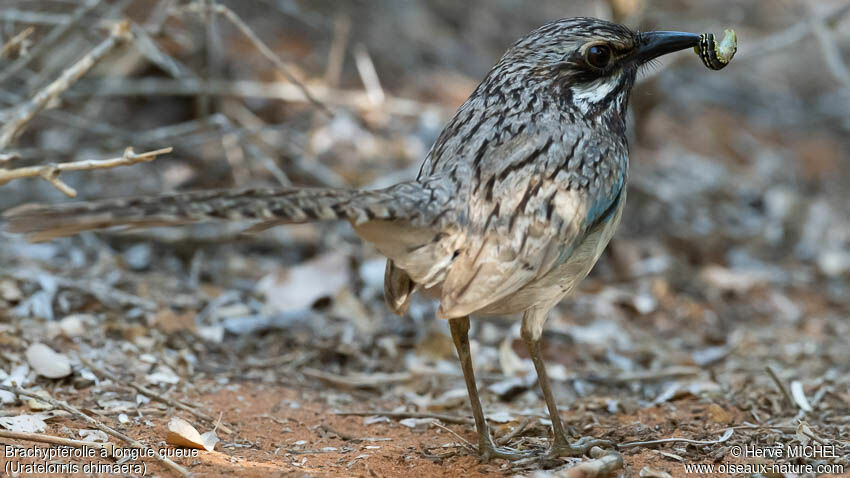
(273, 206)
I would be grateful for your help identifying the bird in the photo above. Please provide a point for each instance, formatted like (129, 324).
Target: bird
(513, 205)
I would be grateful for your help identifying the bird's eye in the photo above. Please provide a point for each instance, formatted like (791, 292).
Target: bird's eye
(598, 56)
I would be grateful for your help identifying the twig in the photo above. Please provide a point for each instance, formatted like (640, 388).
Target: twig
(463, 440)
(107, 294)
(15, 41)
(27, 111)
(250, 89)
(368, 75)
(51, 172)
(403, 415)
(648, 375)
(358, 380)
(148, 47)
(336, 55)
(831, 53)
(726, 435)
(262, 47)
(42, 438)
(517, 431)
(799, 396)
(100, 426)
(48, 41)
(779, 428)
(154, 395)
(9, 156)
(780, 385)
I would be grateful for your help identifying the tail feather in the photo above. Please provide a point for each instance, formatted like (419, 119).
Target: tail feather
(403, 201)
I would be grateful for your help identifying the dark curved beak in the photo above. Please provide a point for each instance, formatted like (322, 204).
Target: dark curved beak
(654, 44)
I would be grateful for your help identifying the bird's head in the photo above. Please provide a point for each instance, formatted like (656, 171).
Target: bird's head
(588, 65)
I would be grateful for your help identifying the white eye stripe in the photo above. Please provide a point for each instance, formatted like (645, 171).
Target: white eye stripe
(595, 91)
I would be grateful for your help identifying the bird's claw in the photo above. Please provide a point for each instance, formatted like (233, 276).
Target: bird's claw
(488, 450)
(562, 448)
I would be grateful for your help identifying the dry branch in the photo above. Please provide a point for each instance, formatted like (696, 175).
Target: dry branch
(15, 41)
(51, 172)
(355, 99)
(49, 40)
(726, 435)
(100, 426)
(201, 7)
(403, 415)
(27, 111)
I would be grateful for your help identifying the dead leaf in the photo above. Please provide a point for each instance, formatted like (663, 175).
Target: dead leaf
(647, 472)
(23, 424)
(94, 435)
(210, 439)
(299, 287)
(38, 405)
(48, 363)
(182, 434)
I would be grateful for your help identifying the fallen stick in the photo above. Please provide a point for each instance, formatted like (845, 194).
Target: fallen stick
(26, 112)
(403, 415)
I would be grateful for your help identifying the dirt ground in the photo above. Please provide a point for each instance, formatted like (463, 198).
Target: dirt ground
(278, 436)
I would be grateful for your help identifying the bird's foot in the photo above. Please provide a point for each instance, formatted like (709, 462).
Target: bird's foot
(563, 448)
(487, 450)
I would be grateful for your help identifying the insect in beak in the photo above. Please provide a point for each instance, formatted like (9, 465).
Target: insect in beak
(715, 56)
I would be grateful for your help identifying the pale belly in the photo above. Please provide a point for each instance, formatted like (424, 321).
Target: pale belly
(546, 291)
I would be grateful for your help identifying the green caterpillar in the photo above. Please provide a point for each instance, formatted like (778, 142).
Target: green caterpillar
(717, 55)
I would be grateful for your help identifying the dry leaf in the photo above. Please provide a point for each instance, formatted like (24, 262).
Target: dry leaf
(805, 434)
(417, 423)
(18, 376)
(799, 396)
(48, 363)
(509, 361)
(94, 435)
(210, 439)
(38, 405)
(647, 472)
(299, 287)
(181, 433)
(23, 424)
(162, 374)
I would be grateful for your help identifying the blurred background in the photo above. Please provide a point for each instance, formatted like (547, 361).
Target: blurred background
(733, 255)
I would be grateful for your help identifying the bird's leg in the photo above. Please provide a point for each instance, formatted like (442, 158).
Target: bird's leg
(532, 329)
(486, 448)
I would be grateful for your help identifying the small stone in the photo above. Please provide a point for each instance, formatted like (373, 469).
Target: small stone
(138, 257)
(718, 414)
(74, 325)
(9, 291)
